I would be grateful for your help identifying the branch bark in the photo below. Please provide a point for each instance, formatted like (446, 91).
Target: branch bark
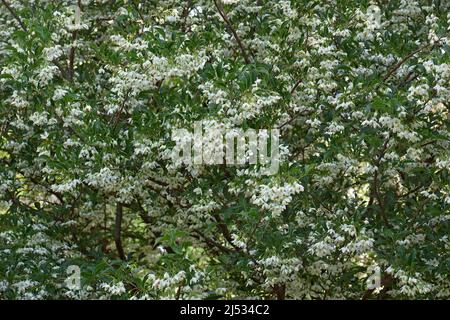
(116, 118)
(296, 86)
(401, 62)
(186, 11)
(223, 228)
(376, 185)
(280, 291)
(14, 14)
(225, 18)
(118, 232)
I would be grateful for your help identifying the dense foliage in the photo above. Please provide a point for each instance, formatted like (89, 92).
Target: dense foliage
(91, 90)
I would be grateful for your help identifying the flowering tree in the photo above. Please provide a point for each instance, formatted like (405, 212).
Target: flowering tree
(92, 90)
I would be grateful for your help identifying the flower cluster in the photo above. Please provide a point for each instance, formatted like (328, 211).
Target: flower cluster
(91, 93)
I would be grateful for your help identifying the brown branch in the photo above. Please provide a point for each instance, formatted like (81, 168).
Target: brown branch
(179, 289)
(118, 232)
(186, 11)
(223, 228)
(213, 244)
(116, 118)
(14, 14)
(24, 28)
(143, 213)
(401, 62)
(296, 86)
(410, 192)
(280, 291)
(61, 69)
(375, 188)
(376, 192)
(48, 189)
(136, 7)
(72, 56)
(225, 18)
(291, 119)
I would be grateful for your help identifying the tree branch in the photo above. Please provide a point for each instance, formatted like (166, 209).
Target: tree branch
(225, 18)
(14, 14)
(118, 232)
(296, 86)
(401, 62)
(280, 291)
(223, 228)
(185, 15)
(376, 186)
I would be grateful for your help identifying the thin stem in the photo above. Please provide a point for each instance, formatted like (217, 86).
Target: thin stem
(225, 18)
(14, 14)
(401, 62)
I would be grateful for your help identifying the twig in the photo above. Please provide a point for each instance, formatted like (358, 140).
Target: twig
(225, 18)
(14, 14)
(179, 290)
(296, 86)
(212, 243)
(185, 15)
(119, 112)
(401, 62)
(223, 228)
(24, 28)
(304, 113)
(136, 7)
